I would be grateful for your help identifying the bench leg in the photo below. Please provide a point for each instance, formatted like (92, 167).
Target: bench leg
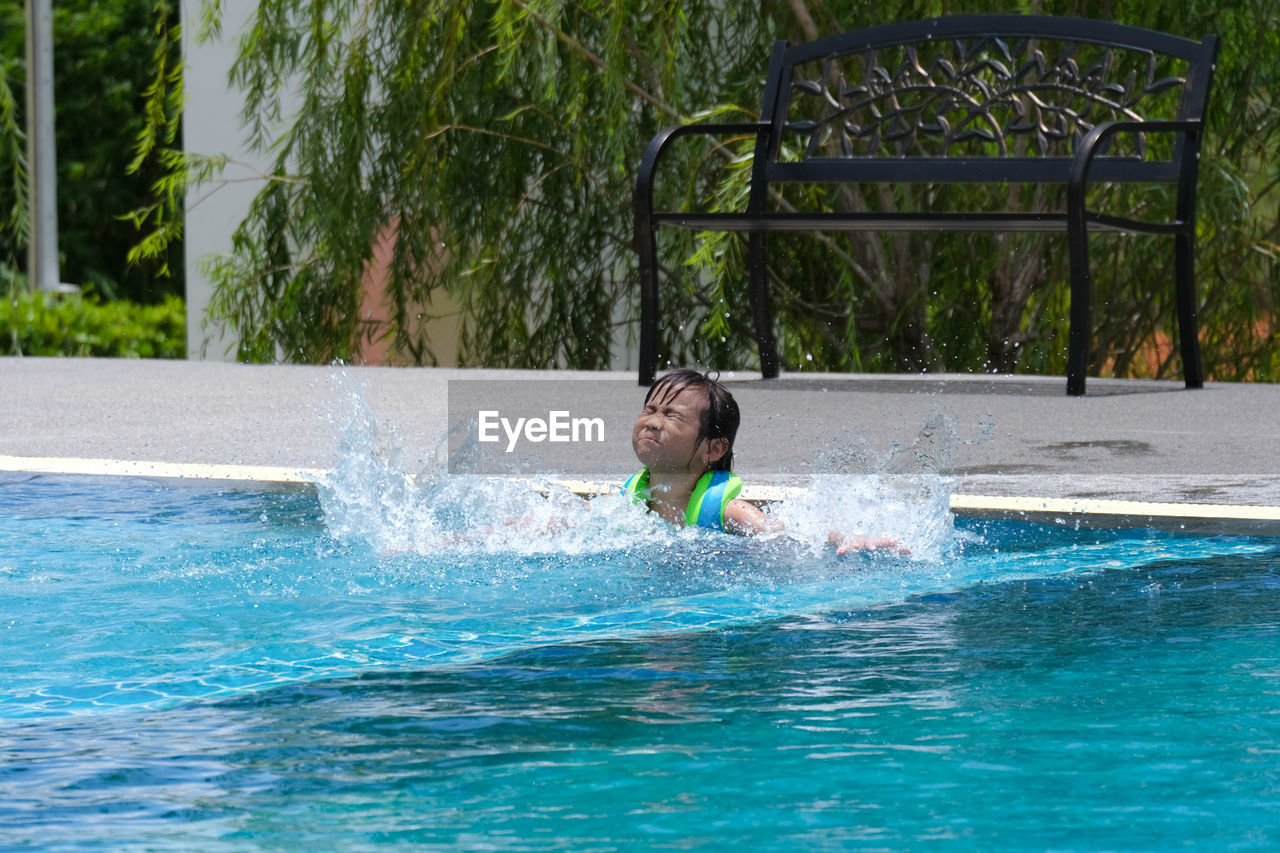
(647, 249)
(761, 307)
(1188, 326)
(1078, 332)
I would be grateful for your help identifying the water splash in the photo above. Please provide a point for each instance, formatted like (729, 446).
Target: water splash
(369, 497)
(913, 511)
(900, 494)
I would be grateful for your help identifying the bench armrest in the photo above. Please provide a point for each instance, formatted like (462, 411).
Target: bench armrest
(659, 144)
(1092, 145)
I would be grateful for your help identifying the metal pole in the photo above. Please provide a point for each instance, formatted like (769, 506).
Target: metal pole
(42, 248)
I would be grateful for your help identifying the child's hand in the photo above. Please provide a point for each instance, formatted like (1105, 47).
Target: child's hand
(845, 544)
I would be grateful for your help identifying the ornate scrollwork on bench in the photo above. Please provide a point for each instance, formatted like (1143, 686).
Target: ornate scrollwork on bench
(984, 96)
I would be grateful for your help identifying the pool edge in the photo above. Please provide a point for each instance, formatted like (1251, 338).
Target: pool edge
(1227, 519)
(167, 470)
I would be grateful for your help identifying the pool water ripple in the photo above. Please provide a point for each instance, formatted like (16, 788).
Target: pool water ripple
(237, 677)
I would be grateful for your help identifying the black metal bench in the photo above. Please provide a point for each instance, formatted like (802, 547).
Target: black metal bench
(975, 98)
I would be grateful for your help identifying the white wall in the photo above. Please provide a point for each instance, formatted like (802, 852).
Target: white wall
(211, 125)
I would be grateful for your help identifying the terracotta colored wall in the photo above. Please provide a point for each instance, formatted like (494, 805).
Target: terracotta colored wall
(374, 346)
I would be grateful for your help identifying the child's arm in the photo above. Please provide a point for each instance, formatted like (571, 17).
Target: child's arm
(746, 519)
(844, 544)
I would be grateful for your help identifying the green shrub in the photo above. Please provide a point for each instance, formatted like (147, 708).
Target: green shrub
(83, 325)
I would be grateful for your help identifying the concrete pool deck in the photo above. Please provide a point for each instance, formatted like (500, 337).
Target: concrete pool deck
(1132, 452)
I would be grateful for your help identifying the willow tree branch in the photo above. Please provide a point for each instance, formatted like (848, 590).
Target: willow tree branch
(804, 19)
(577, 45)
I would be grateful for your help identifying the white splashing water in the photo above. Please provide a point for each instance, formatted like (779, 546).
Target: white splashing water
(370, 497)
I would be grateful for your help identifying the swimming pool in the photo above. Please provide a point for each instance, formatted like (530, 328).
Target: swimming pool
(197, 666)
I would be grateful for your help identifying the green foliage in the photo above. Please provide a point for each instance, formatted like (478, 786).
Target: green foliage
(47, 324)
(116, 74)
(161, 216)
(14, 221)
(497, 142)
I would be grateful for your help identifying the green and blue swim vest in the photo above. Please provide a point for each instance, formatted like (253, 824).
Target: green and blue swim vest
(710, 496)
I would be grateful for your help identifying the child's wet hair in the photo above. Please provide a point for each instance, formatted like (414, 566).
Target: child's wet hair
(720, 417)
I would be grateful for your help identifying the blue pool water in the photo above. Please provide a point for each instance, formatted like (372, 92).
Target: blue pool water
(201, 667)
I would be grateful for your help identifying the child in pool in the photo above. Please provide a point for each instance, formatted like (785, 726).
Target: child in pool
(684, 439)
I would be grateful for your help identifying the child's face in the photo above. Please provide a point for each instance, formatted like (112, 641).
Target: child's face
(665, 437)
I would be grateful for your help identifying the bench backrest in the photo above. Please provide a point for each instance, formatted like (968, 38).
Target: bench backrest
(979, 98)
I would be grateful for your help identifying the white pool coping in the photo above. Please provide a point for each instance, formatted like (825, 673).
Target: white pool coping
(167, 470)
(1089, 512)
